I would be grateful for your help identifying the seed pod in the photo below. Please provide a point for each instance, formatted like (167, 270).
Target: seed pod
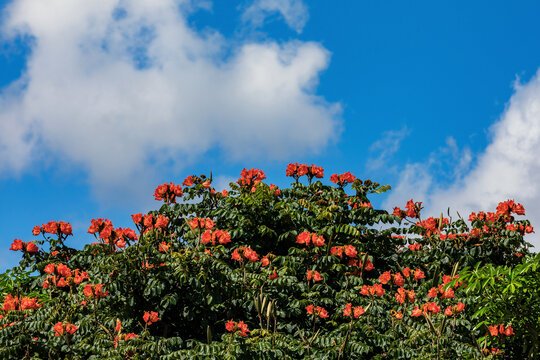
(270, 308)
(208, 334)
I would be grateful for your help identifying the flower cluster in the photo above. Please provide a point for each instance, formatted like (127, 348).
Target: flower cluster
(64, 328)
(500, 330)
(109, 235)
(297, 170)
(150, 222)
(357, 311)
(192, 180)
(314, 275)
(54, 228)
(307, 238)
(239, 328)
(14, 303)
(244, 253)
(342, 179)
(168, 192)
(201, 223)
(402, 295)
(317, 311)
(221, 236)
(251, 177)
(371, 290)
(505, 208)
(358, 263)
(150, 317)
(28, 247)
(348, 250)
(94, 291)
(412, 210)
(62, 276)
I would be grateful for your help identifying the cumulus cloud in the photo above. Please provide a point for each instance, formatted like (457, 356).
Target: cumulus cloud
(294, 12)
(509, 168)
(122, 87)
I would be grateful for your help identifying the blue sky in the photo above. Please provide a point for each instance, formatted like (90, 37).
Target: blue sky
(102, 101)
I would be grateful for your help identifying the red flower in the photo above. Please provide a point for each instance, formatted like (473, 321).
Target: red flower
(406, 272)
(63, 270)
(460, 306)
(95, 290)
(358, 311)
(398, 279)
(304, 238)
(49, 269)
(65, 228)
(348, 310)
(243, 328)
(168, 192)
(274, 275)
(137, 218)
(416, 311)
(433, 292)
(29, 303)
(509, 331)
(399, 315)
(16, 245)
(342, 179)
(400, 295)
(36, 230)
(314, 275)
(321, 312)
(80, 276)
(163, 246)
(251, 177)
(58, 329)
(434, 308)
(337, 251)
(493, 330)
(385, 277)
(265, 261)
(448, 311)
(31, 248)
(229, 325)
(150, 317)
(350, 251)
(419, 274)
(161, 222)
(310, 309)
(244, 253)
(188, 181)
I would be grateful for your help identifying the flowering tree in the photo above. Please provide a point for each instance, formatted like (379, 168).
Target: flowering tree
(262, 272)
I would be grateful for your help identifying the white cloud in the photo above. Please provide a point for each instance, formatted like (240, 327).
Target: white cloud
(123, 87)
(294, 12)
(509, 168)
(385, 147)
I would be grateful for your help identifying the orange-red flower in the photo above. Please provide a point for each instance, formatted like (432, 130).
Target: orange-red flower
(61, 328)
(168, 192)
(314, 275)
(221, 236)
(244, 253)
(150, 317)
(416, 311)
(16, 245)
(342, 179)
(95, 291)
(307, 238)
(385, 277)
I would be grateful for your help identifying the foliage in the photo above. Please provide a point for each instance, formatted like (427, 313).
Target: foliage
(307, 272)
